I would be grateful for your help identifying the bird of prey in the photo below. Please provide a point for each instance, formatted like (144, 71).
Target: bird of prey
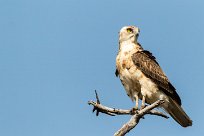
(143, 78)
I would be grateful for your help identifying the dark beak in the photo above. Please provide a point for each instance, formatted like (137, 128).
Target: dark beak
(137, 35)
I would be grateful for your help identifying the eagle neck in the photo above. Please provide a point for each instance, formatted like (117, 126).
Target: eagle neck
(128, 46)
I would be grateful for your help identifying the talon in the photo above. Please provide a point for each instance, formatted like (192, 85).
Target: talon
(134, 111)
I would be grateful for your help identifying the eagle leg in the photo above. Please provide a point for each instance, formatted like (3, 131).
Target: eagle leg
(135, 109)
(136, 102)
(143, 102)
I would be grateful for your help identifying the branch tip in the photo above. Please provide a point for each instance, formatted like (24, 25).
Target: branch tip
(97, 98)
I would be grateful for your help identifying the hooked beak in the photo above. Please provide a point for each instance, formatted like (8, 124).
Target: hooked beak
(137, 35)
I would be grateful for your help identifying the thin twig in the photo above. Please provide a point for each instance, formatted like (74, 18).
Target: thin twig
(105, 109)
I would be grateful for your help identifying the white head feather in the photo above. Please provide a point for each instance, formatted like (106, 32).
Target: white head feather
(129, 33)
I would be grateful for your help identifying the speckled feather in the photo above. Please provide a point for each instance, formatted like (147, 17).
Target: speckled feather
(146, 62)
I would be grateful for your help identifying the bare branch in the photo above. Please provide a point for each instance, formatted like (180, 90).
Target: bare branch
(158, 113)
(115, 111)
(150, 107)
(136, 118)
(105, 109)
(136, 115)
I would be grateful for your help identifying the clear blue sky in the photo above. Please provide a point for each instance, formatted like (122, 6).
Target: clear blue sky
(55, 53)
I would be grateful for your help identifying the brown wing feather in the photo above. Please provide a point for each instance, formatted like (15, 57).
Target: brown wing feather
(146, 62)
(116, 72)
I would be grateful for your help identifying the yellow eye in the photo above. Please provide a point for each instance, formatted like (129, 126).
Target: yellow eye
(129, 30)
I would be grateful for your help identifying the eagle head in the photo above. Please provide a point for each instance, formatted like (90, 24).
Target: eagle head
(129, 33)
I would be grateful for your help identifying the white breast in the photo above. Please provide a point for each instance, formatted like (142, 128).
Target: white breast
(129, 75)
(133, 80)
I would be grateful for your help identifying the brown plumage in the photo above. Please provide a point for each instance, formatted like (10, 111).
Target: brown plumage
(143, 78)
(146, 62)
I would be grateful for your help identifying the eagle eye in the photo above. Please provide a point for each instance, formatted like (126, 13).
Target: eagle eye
(129, 30)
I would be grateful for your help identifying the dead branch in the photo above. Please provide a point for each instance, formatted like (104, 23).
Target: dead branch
(136, 115)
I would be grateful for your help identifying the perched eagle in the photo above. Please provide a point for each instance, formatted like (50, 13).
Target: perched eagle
(143, 78)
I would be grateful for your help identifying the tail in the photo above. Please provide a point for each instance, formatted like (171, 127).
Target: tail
(177, 113)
